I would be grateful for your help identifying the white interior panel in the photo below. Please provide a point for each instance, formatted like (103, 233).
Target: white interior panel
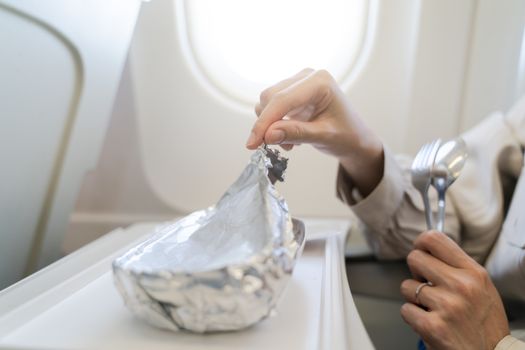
(37, 97)
(60, 66)
(493, 77)
(440, 65)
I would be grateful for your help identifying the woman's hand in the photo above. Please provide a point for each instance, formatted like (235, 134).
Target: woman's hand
(310, 108)
(461, 309)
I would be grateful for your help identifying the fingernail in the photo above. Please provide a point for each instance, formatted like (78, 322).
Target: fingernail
(251, 140)
(276, 137)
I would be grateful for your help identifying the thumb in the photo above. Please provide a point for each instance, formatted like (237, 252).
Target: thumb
(291, 132)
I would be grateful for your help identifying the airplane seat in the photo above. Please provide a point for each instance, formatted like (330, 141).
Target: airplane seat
(60, 65)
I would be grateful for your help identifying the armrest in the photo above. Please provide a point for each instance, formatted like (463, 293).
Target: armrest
(356, 245)
(369, 276)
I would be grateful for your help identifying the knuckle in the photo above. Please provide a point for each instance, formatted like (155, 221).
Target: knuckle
(326, 81)
(326, 133)
(307, 70)
(425, 325)
(481, 274)
(265, 96)
(258, 126)
(323, 75)
(439, 329)
(325, 89)
(297, 132)
(429, 238)
(404, 310)
(451, 307)
(413, 257)
(279, 96)
(258, 109)
(404, 287)
(467, 288)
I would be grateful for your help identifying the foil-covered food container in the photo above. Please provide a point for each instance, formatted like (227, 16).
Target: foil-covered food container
(219, 269)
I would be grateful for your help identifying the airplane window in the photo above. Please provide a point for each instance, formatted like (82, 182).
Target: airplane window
(243, 46)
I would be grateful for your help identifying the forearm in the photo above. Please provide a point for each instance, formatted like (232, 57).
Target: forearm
(365, 165)
(366, 170)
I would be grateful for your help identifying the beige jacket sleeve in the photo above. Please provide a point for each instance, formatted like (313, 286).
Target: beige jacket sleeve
(510, 343)
(476, 203)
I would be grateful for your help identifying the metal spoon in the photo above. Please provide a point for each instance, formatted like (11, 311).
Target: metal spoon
(450, 159)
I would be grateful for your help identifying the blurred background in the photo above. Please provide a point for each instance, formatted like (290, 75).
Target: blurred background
(120, 111)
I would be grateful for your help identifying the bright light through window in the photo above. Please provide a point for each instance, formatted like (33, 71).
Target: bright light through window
(244, 46)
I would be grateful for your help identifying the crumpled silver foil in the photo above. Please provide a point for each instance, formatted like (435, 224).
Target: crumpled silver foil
(218, 269)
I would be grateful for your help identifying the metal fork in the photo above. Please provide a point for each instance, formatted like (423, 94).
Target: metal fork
(421, 172)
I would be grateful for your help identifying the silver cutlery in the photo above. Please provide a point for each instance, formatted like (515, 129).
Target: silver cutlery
(421, 172)
(449, 161)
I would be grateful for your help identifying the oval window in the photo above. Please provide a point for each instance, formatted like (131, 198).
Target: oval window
(244, 46)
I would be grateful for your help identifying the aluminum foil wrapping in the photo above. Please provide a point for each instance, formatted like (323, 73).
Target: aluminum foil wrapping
(219, 269)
